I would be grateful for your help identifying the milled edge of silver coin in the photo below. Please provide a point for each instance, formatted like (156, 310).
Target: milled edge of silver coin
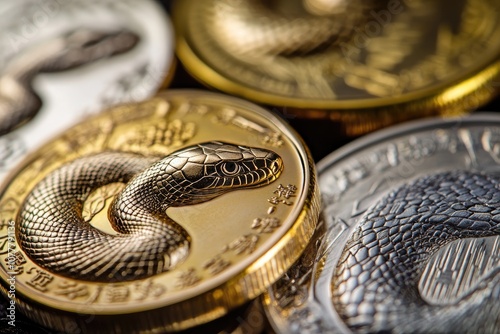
(154, 52)
(317, 312)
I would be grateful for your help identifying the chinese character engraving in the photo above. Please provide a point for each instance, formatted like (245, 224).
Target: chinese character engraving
(268, 137)
(72, 290)
(116, 293)
(273, 139)
(282, 196)
(94, 296)
(148, 289)
(40, 280)
(266, 225)
(245, 244)
(216, 265)
(15, 262)
(285, 193)
(7, 212)
(188, 278)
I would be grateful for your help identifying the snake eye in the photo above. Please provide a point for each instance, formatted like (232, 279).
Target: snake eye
(230, 168)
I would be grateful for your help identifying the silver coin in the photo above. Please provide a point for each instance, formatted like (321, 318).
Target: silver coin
(410, 239)
(61, 60)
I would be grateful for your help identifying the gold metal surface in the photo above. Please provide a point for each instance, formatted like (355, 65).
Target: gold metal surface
(239, 242)
(393, 61)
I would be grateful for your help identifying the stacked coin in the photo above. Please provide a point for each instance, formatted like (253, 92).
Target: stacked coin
(61, 61)
(409, 237)
(209, 200)
(365, 64)
(198, 212)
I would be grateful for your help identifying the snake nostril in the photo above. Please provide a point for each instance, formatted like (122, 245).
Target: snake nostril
(275, 167)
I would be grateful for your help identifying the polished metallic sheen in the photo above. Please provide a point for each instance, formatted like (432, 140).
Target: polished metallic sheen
(61, 61)
(365, 64)
(150, 242)
(410, 236)
(156, 216)
(19, 102)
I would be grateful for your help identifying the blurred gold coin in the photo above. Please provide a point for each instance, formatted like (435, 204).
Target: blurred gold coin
(156, 216)
(366, 64)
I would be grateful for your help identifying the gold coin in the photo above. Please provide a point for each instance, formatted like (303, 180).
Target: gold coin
(156, 216)
(366, 64)
(247, 319)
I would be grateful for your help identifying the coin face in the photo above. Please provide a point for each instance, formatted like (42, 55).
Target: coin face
(173, 210)
(365, 63)
(410, 237)
(61, 61)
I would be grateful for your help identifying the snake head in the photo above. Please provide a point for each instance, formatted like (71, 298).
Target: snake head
(211, 169)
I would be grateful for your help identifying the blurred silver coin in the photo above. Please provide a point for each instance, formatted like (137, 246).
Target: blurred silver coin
(410, 239)
(61, 60)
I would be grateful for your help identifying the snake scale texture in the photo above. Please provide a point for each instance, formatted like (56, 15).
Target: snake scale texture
(287, 28)
(54, 234)
(375, 287)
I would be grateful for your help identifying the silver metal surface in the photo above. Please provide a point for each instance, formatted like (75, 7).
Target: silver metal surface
(409, 236)
(61, 61)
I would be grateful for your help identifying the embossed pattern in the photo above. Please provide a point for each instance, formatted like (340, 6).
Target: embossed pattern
(375, 287)
(54, 234)
(19, 102)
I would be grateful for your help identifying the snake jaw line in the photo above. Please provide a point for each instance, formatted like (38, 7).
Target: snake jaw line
(148, 241)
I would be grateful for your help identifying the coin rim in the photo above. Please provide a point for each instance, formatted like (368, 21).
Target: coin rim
(397, 130)
(213, 302)
(353, 148)
(444, 95)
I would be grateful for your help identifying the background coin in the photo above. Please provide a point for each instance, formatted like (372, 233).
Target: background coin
(61, 61)
(457, 267)
(232, 225)
(322, 136)
(363, 65)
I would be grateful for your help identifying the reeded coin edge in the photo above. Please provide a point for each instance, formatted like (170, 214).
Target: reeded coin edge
(372, 140)
(360, 116)
(202, 308)
(211, 304)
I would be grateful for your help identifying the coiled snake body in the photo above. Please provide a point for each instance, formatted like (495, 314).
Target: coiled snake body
(19, 102)
(285, 28)
(292, 41)
(54, 234)
(375, 287)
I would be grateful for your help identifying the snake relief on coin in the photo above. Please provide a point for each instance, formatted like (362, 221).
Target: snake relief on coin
(410, 239)
(63, 60)
(147, 209)
(364, 63)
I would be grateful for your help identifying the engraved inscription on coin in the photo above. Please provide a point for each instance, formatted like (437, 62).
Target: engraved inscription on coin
(61, 61)
(412, 234)
(365, 63)
(143, 210)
